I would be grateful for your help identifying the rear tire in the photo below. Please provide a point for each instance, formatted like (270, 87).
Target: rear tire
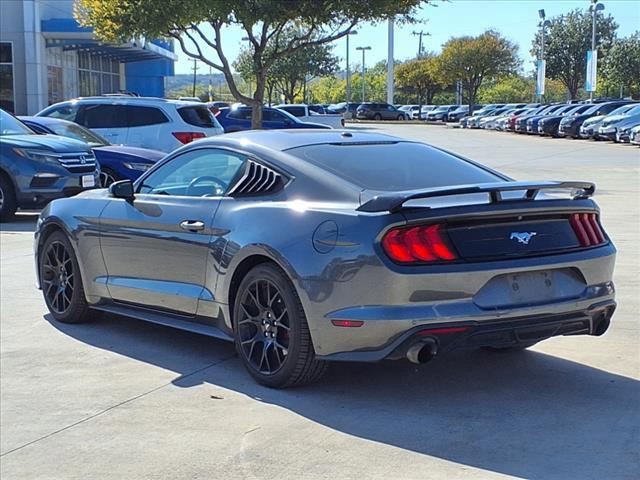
(271, 333)
(61, 281)
(8, 202)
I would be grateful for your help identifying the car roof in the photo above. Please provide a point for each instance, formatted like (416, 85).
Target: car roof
(286, 139)
(134, 101)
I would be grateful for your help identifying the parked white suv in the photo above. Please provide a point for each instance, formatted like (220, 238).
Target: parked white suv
(306, 113)
(139, 121)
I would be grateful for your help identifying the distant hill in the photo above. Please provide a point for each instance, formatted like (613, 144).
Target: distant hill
(179, 82)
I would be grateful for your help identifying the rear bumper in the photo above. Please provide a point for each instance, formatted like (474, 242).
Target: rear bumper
(502, 333)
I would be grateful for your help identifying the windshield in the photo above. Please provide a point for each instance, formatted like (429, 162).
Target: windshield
(622, 109)
(10, 125)
(75, 131)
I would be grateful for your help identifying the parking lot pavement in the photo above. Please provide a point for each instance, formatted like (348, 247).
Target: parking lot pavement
(118, 398)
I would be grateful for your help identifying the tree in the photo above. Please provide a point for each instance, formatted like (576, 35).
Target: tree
(622, 64)
(198, 26)
(290, 74)
(421, 76)
(566, 43)
(472, 60)
(519, 89)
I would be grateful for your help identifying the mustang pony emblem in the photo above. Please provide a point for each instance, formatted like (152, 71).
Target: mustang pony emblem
(522, 237)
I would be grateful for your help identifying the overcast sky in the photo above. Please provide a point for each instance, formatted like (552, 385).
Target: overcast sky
(515, 19)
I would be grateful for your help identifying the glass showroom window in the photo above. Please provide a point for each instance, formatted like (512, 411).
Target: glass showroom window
(7, 101)
(97, 74)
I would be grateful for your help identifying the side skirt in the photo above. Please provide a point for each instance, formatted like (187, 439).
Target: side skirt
(167, 320)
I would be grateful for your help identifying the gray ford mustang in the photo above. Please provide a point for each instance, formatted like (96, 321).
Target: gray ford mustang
(304, 247)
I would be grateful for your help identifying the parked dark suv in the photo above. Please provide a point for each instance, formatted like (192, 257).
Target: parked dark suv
(35, 169)
(380, 111)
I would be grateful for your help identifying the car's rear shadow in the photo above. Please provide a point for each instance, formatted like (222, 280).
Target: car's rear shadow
(526, 414)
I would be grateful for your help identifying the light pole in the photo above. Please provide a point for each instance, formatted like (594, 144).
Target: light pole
(352, 32)
(543, 27)
(595, 7)
(364, 49)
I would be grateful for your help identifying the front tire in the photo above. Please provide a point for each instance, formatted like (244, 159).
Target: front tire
(377, 116)
(60, 280)
(8, 202)
(271, 333)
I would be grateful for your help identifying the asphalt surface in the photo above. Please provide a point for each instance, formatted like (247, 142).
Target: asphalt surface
(118, 398)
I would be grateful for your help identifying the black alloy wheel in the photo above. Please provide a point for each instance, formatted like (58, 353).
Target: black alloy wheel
(60, 280)
(263, 325)
(271, 332)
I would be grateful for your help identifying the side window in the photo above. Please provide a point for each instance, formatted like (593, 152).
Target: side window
(104, 116)
(240, 114)
(65, 112)
(198, 173)
(273, 116)
(295, 111)
(141, 116)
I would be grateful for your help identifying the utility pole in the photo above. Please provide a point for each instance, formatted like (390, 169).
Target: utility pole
(420, 34)
(364, 49)
(195, 68)
(352, 32)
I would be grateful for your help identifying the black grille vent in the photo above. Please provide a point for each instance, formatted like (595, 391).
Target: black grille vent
(257, 179)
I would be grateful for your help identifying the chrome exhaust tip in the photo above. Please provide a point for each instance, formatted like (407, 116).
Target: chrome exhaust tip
(422, 351)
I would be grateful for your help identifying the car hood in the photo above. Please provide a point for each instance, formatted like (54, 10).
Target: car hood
(592, 120)
(142, 153)
(53, 143)
(616, 118)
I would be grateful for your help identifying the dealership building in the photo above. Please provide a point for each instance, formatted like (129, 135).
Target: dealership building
(46, 57)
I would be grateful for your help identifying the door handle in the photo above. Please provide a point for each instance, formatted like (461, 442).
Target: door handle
(192, 225)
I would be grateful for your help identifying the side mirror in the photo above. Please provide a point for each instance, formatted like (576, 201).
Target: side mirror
(122, 189)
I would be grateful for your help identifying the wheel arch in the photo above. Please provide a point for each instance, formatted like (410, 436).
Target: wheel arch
(43, 233)
(243, 263)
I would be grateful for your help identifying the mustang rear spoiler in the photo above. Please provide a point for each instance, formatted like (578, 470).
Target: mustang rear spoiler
(394, 201)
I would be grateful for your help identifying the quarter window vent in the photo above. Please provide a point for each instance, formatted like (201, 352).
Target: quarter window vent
(256, 179)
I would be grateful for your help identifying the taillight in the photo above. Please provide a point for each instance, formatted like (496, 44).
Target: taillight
(587, 229)
(186, 137)
(420, 244)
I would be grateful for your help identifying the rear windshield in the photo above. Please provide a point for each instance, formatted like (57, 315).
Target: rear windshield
(394, 166)
(198, 116)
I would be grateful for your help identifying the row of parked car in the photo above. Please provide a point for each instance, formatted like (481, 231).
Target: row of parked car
(95, 141)
(615, 120)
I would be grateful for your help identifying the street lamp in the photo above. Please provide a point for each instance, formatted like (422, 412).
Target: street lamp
(352, 32)
(543, 26)
(364, 49)
(595, 7)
